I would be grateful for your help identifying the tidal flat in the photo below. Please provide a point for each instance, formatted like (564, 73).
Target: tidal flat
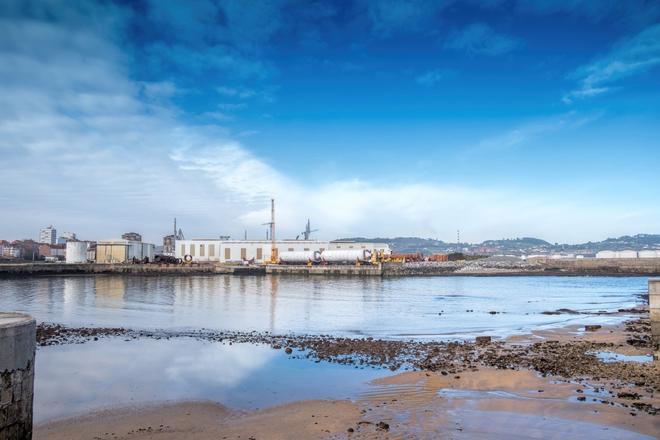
(271, 357)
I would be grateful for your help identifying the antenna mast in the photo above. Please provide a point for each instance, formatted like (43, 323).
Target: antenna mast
(273, 249)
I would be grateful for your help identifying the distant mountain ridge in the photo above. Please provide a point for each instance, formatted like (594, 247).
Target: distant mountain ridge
(515, 246)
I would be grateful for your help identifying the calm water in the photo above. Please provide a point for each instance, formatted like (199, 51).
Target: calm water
(112, 372)
(78, 378)
(435, 307)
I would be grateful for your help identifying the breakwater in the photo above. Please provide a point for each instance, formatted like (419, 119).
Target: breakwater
(602, 266)
(493, 266)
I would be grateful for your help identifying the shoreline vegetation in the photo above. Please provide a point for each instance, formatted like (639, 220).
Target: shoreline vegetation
(544, 375)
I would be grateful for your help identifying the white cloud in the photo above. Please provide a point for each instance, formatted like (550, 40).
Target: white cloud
(88, 149)
(629, 57)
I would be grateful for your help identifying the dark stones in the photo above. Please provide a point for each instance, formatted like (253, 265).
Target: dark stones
(483, 340)
(382, 425)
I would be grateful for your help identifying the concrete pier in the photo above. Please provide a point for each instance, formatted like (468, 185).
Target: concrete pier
(17, 347)
(654, 308)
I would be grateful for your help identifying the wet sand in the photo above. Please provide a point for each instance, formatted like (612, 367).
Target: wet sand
(544, 385)
(207, 420)
(484, 404)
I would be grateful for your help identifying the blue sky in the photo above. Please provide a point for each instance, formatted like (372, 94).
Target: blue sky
(373, 118)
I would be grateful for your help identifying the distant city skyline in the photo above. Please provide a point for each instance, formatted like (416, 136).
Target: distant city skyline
(372, 118)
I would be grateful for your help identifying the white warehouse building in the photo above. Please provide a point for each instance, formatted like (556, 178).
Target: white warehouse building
(224, 251)
(649, 254)
(617, 254)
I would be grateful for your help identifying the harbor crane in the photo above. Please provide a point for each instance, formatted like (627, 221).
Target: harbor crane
(307, 232)
(271, 224)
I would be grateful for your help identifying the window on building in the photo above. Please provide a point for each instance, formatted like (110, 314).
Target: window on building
(201, 250)
(260, 254)
(227, 253)
(306, 249)
(290, 249)
(350, 247)
(192, 250)
(211, 250)
(243, 254)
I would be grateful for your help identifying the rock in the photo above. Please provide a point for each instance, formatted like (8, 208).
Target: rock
(592, 328)
(288, 350)
(382, 425)
(483, 340)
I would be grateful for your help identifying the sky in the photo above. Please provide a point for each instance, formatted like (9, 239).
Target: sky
(369, 117)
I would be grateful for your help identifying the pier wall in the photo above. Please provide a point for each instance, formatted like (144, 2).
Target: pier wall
(347, 270)
(99, 268)
(654, 308)
(17, 348)
(609, 266)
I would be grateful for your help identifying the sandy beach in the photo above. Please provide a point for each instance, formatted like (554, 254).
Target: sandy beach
(547, 384)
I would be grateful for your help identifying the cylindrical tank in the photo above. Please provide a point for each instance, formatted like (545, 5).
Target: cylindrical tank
(76, 252)
(346, 255)
(649, 254)
(300, 257)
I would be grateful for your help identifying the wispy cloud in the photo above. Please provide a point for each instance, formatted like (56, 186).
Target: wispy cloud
(630, 12)
(236, 92)
(629, 57)
(481, 39)
(529, 131)
(432, 77)
(388, 17)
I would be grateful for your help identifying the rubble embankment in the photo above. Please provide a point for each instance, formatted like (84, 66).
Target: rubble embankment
(513, 266)
(574, 360)
(483, 266)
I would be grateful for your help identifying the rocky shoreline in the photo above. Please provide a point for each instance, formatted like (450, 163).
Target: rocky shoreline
(632, 384)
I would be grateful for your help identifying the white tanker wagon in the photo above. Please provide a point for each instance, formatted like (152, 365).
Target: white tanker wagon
(300, 257)
(339, 256)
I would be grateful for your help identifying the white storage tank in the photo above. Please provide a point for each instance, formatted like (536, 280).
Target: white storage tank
(76, 252)
(148, 251)
(649, 254)
(346, 256)
(626, 254)
(300, 257)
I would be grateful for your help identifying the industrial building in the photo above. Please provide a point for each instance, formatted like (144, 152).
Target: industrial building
(123, 251)
(132, 236)
(66, 236)
(648, 253)
(259, 251)
(617, 254)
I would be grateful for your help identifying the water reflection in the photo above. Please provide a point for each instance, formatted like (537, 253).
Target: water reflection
(451, 307)
(79, 378)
